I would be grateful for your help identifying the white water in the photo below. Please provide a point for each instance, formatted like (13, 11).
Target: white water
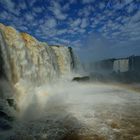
(121, 65)
(24, 57)
(87, 111)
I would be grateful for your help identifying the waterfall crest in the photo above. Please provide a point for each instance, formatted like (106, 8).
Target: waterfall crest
(26, 58)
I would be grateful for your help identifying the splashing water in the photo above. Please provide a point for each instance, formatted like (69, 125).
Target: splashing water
(77, 111)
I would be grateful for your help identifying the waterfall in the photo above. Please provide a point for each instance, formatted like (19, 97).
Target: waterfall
(121, 65)
(25, 65)
(26, 58)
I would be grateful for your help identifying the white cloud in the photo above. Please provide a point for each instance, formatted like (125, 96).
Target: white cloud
(71, 32)
(127, 1)
(86, 11)
(5, 15)
(129, 29)
(119, 18)
(57, 23)
(66, 7)
(82, 30)
(136, 17)
(59, 15)
(31, 2)
(116, 33)
(41, 21)
(87, 1)
(24, 28)
(95, 22)
(77, 44)
(50, 23)
(120, 4)
(22, 5)
(56, 9)
(61, 31)
(84, 23)
(101, 5)
(73, 1)
(28, 17)
(76, 22)
(47, 31)
(60, 41)
(65, 41)
(38, 9)
(131, 8)
(10, 6)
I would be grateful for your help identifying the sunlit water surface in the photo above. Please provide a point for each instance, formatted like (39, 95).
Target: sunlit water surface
(78, 111)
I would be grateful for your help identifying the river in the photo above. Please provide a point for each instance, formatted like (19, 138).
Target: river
(79, 111)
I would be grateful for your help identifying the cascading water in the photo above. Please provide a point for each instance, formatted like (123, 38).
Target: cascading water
(27, 63)
(121, 65)
(31, 60)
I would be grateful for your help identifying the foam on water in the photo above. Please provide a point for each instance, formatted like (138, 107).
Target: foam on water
(65, 110)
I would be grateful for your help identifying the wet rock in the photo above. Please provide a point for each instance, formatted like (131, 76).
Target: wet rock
(136, 138)
(74, 136)
(12, 103)
(3, 115)
(114, 125)
(5, 125)
(81, 79)
(71, 136)
(22, 137)
(126, 137)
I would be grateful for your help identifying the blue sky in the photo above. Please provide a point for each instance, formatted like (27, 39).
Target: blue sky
(95, 28)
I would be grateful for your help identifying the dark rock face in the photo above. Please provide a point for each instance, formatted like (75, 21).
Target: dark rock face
(72, 58)
(81, 79)
(7, 105)
(5, 125)
(12, 103)
(6, 118)
(2, 73)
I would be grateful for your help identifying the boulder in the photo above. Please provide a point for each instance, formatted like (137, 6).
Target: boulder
(81, 79)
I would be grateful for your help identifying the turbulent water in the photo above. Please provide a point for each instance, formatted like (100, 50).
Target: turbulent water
(76, 111)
